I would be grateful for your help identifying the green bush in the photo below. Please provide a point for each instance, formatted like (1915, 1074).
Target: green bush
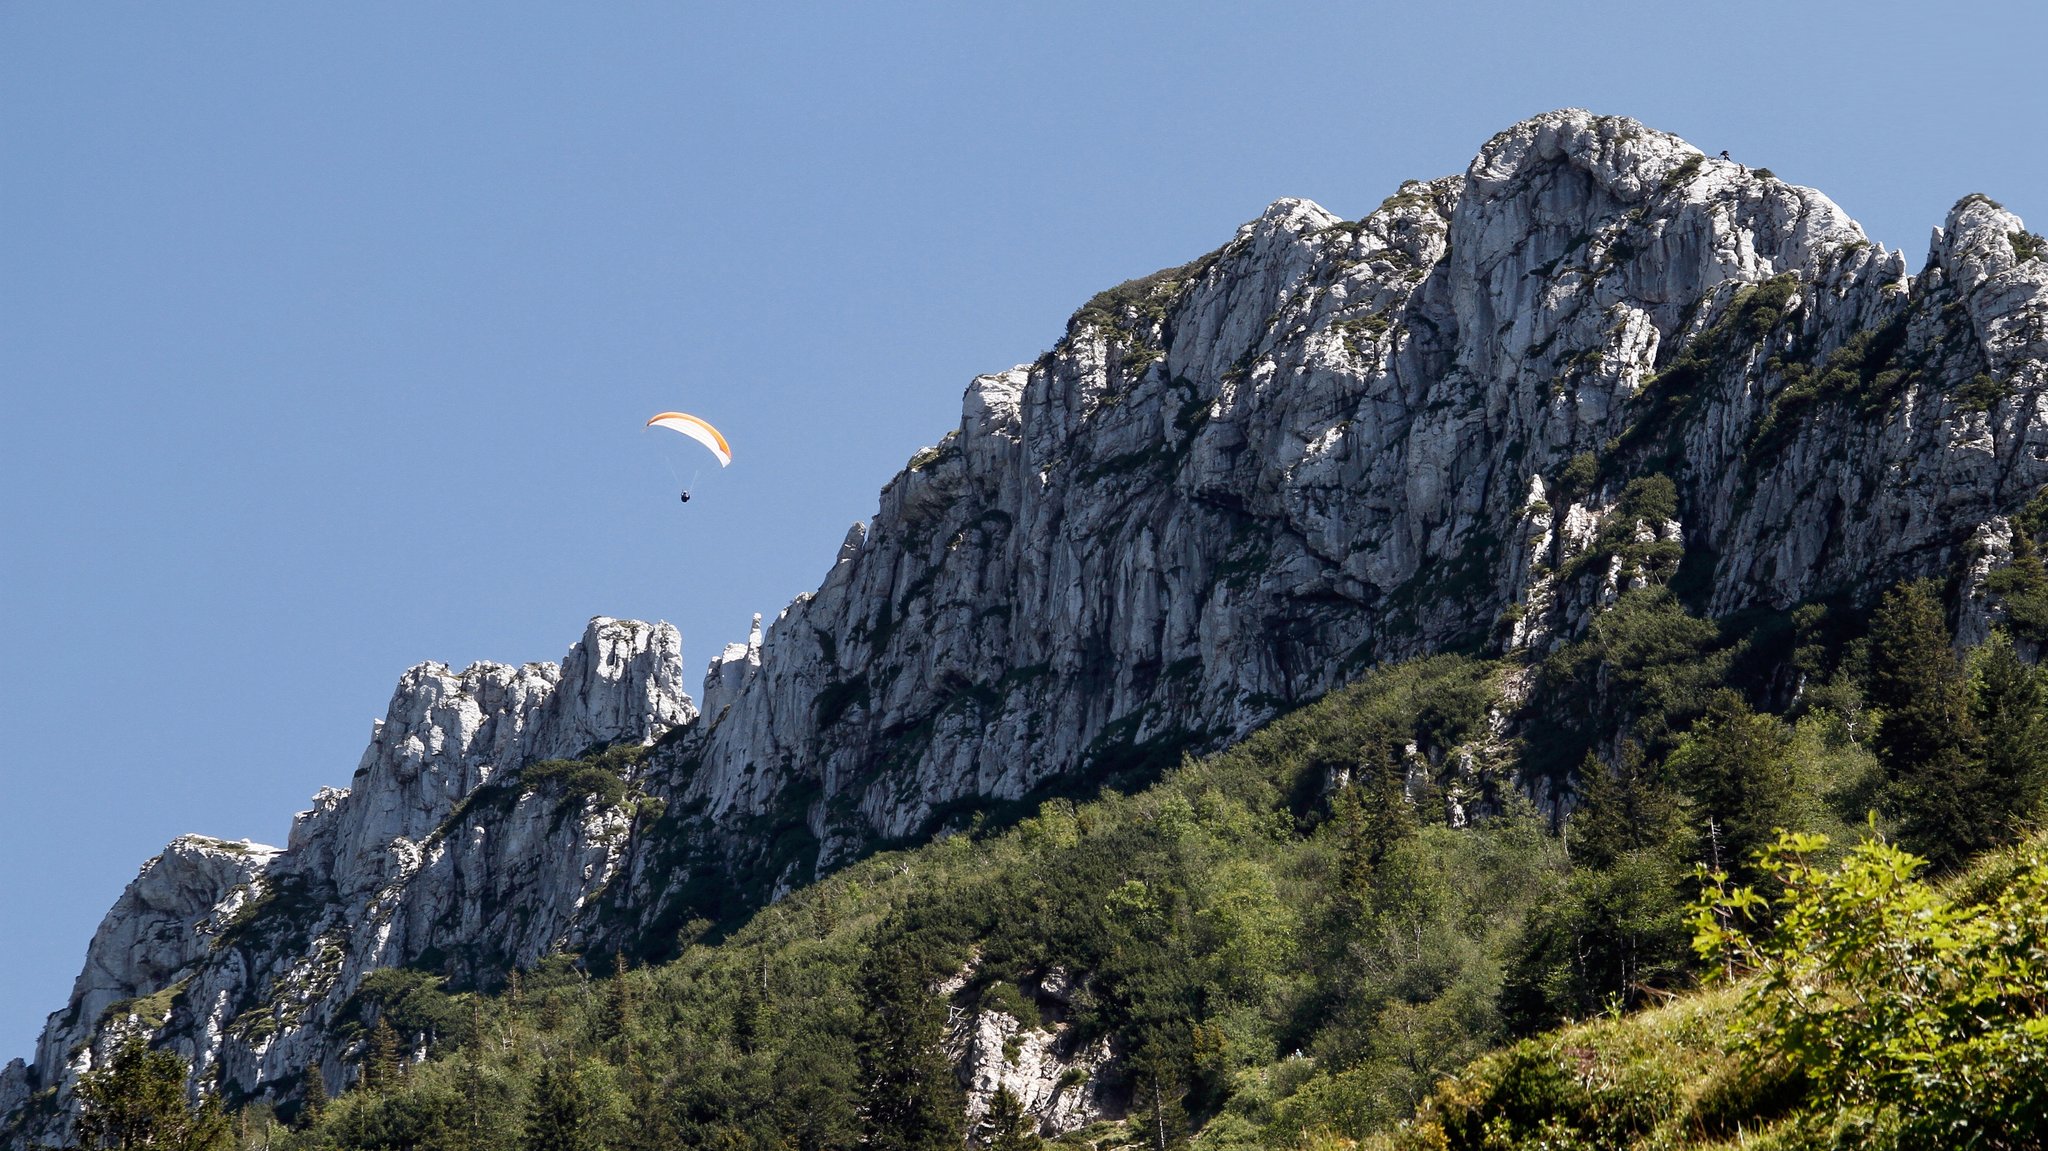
(1890, 997)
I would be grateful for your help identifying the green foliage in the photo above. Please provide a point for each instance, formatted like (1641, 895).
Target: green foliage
(281, 916)
(2009, 729)
(1737, 765)
(1865, 374)
(1612, 1084)
(1633, 807)
(2021, 586)
(1635, 532)
(924, 459)
(1131, 313)
(1615, 936)
(1007, 1128)
(396, 1120)
(1286, 895)
(1644, 670)
(1695, 775)
(413, 1004)
(383, 1061)
(1982, 393)
(1948, 803)
(1864, 1008)
(910, 1100)
(1576, 478)
(557, 1113)
(1682, 172)
(138, 1100)
(1752, 316)
(1924, 1015)
(601, 776)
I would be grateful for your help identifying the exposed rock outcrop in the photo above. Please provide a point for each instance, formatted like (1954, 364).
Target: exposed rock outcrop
(1055, 1077)
(1473, 418)
(1236, 483)
(241, 957)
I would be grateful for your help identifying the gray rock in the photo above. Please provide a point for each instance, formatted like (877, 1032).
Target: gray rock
(240, 957)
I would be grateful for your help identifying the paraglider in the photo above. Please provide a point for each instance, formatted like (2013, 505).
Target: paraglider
(698, 430)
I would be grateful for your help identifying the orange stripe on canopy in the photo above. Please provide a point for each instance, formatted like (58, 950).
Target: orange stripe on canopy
(697, 430)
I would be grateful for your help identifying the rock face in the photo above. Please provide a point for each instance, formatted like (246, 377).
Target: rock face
(240, 957)
(151, 943)
(1470, 419)
(1236, 483)
(1053, 1076)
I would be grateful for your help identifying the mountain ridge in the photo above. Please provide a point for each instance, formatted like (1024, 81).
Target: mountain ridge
(1233, 486)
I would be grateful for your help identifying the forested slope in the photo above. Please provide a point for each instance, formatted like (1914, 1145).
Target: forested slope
(1297, 939)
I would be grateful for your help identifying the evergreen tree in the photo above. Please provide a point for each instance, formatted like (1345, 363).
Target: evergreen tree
(1612, 937)
(910, 1100)
(812, 1088)
(1372, 817)
(313, 1100)
(1629, 809)
(1737, 766)
(1933, 789)
(1617, 929)
(2009, 715)
(616, 1022)
(470, 1123)
(556, 1114)
(1007, 1127)
(383, 1063)
(753, 1016)
(1158, 1117)
(138, 1100)
(2022, 587)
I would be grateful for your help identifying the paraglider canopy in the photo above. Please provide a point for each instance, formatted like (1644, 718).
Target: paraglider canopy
(697, 430)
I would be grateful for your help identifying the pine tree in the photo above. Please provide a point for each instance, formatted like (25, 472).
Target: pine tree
(555, 1113)
(1737, 765)
(617, 1020)
(138, 1100)
(2009, 715)
(1630, 808)
(470, 1126)
(1372, 818)
(1007, 1127)
(2022, 587)
(1933, 789)
(515, 999)
(383, 1062)
(313, 1100)
(1157, 1116)
(910, 1100)
(753, 1021)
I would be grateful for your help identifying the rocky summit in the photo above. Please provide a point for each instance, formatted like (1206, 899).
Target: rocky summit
(1468, 421)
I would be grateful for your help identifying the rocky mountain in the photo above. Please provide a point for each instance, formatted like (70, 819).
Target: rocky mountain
(1468, 420)
(242, 957)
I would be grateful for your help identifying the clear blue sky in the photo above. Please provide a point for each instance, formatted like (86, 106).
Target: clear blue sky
(327, 331)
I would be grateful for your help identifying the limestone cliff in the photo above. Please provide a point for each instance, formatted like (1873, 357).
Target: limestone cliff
(241, 958)
(1235, 483)
(1230, 487)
